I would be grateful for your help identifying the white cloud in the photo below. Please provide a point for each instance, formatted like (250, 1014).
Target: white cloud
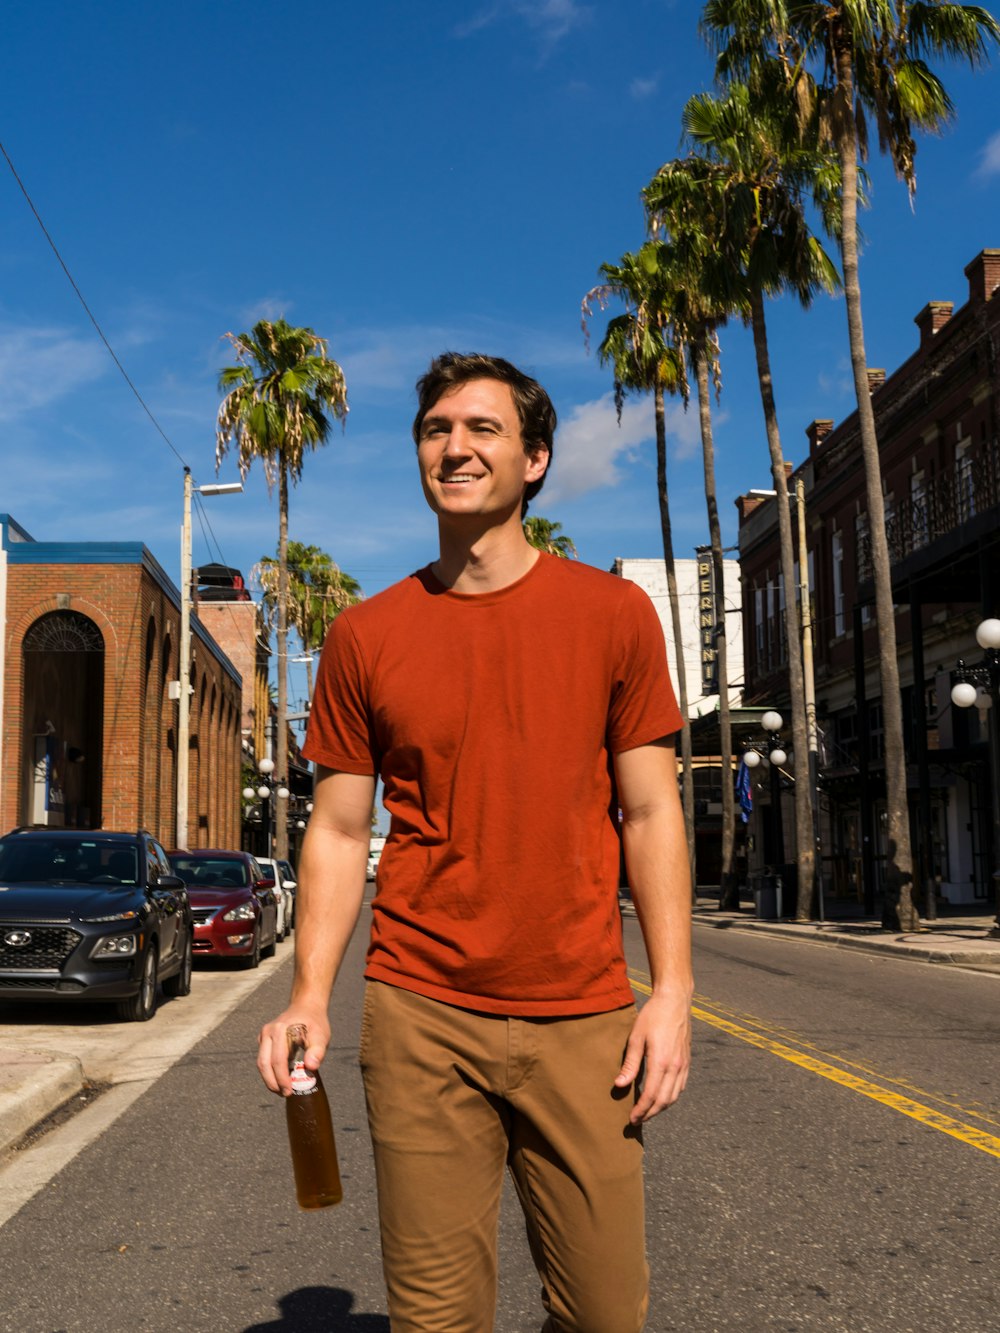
(640, 89)
(551, 19)
(41, 365)
(590, 446)
(264, 307)
(989, 158)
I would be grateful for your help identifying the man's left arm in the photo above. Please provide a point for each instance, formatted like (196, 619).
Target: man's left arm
(660, 879)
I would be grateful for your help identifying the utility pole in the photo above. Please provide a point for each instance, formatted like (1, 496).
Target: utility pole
(809, 682)
(184, 672)
(184, 668)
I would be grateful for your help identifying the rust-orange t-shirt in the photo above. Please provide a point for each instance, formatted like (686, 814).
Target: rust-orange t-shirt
(492, 719)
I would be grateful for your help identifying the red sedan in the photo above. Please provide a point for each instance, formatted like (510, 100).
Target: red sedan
(233, 903)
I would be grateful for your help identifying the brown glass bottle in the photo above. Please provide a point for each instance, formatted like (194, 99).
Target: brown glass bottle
(310, 1131)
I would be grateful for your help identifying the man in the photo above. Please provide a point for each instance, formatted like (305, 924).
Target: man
(511, 702)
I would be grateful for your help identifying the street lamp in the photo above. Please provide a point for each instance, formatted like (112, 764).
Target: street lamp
(270, 815)
(776, 754)
(184, 669)
(980, 685)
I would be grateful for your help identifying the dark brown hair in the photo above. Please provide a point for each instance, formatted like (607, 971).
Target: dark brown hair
(534, 406)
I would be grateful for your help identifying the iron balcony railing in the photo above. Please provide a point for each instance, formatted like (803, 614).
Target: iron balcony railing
(951, 500)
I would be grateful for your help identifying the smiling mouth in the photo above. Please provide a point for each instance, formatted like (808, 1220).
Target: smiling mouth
(461, 478)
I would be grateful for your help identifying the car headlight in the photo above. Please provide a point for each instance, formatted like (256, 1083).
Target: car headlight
(115, 916)
(245, 912)
(115, 946)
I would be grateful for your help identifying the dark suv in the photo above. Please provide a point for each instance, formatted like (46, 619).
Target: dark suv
(92, 916)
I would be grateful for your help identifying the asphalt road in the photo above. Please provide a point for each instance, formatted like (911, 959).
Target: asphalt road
(833, 1165)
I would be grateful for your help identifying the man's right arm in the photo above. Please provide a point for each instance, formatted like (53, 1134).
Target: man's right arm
(330, 890)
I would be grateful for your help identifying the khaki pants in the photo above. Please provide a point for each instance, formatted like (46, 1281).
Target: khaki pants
(454, 1097)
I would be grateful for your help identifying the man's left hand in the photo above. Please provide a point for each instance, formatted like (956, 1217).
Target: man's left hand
(660, 1047)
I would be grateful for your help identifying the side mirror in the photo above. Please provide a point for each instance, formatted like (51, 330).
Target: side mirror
(170, 882)
(288, 884)
(264, 884)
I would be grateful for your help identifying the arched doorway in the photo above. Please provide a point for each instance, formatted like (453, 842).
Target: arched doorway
(63, 736)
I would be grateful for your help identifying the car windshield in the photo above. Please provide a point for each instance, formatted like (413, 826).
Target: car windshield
(214, 872)
(38, 859)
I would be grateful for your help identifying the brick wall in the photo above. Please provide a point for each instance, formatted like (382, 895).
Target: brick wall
(139, 624)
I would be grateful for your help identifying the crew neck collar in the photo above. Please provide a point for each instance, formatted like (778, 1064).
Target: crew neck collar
(436, 588)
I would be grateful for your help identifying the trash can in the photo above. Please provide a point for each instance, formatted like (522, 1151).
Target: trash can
(765, 897)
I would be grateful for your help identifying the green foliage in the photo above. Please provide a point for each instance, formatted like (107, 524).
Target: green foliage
(318, 590)
(546, 535)
(838, 64)
(278, 398)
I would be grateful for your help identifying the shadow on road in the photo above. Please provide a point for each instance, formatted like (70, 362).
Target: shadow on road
(321, 1310)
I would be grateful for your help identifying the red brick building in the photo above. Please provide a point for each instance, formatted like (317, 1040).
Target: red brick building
(938, 422)
(89, 714)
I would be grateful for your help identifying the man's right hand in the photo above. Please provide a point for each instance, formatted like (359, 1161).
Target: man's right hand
(272, 1049)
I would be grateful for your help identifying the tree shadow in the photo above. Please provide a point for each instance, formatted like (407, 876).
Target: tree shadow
(321, 1310)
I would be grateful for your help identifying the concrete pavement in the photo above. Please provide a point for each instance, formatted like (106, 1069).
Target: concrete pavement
(49, 1054)
(960, 941)
(37, 1080)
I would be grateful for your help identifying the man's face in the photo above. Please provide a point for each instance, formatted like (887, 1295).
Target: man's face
(471, 453)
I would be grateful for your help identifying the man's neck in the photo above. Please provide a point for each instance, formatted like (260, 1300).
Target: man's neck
(492, 560)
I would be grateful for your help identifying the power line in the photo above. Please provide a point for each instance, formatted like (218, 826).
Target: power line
(90, 313)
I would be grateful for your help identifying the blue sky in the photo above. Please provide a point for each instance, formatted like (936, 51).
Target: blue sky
(404, 178)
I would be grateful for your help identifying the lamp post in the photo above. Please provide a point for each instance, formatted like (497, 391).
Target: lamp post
(270, 813)
(979, 685)
(184, 668)
(777, 756)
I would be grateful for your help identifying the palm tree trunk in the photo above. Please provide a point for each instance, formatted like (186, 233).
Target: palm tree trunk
(805, 847)
(899, 912)
(680, 670)
(728, 888)
(281, 739)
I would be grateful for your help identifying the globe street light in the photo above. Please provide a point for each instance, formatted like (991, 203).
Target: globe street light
(979, 685)
(776, 754)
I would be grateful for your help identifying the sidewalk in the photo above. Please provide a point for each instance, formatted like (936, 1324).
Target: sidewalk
(961, 941)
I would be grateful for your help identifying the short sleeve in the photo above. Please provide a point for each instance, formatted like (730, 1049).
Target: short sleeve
(643, 707)
(340, 734)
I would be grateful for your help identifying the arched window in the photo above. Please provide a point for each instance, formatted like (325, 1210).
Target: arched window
(63, 728)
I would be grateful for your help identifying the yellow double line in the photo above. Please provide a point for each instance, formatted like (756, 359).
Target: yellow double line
(908, 1106)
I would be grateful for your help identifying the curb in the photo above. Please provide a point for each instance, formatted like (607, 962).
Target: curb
(986, 961)
(33, 1084)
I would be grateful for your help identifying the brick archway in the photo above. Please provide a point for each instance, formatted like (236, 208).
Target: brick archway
(62, 729)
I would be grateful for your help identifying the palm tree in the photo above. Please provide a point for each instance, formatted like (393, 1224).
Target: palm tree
(871, 58)
(318, 590)
(278, 399)
(696, 294)
(761, 180)
(545, 535)
(643, 361)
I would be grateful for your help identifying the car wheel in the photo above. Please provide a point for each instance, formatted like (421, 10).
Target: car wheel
(140, 1007)
(180, 983)
(253, 960)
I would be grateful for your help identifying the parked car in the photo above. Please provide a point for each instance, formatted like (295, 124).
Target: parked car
(233, 903)
(272, 869)
(92, 916)
(290, 883)
(374, 856)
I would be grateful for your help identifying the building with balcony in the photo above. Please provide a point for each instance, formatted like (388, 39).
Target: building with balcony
(938, 423)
